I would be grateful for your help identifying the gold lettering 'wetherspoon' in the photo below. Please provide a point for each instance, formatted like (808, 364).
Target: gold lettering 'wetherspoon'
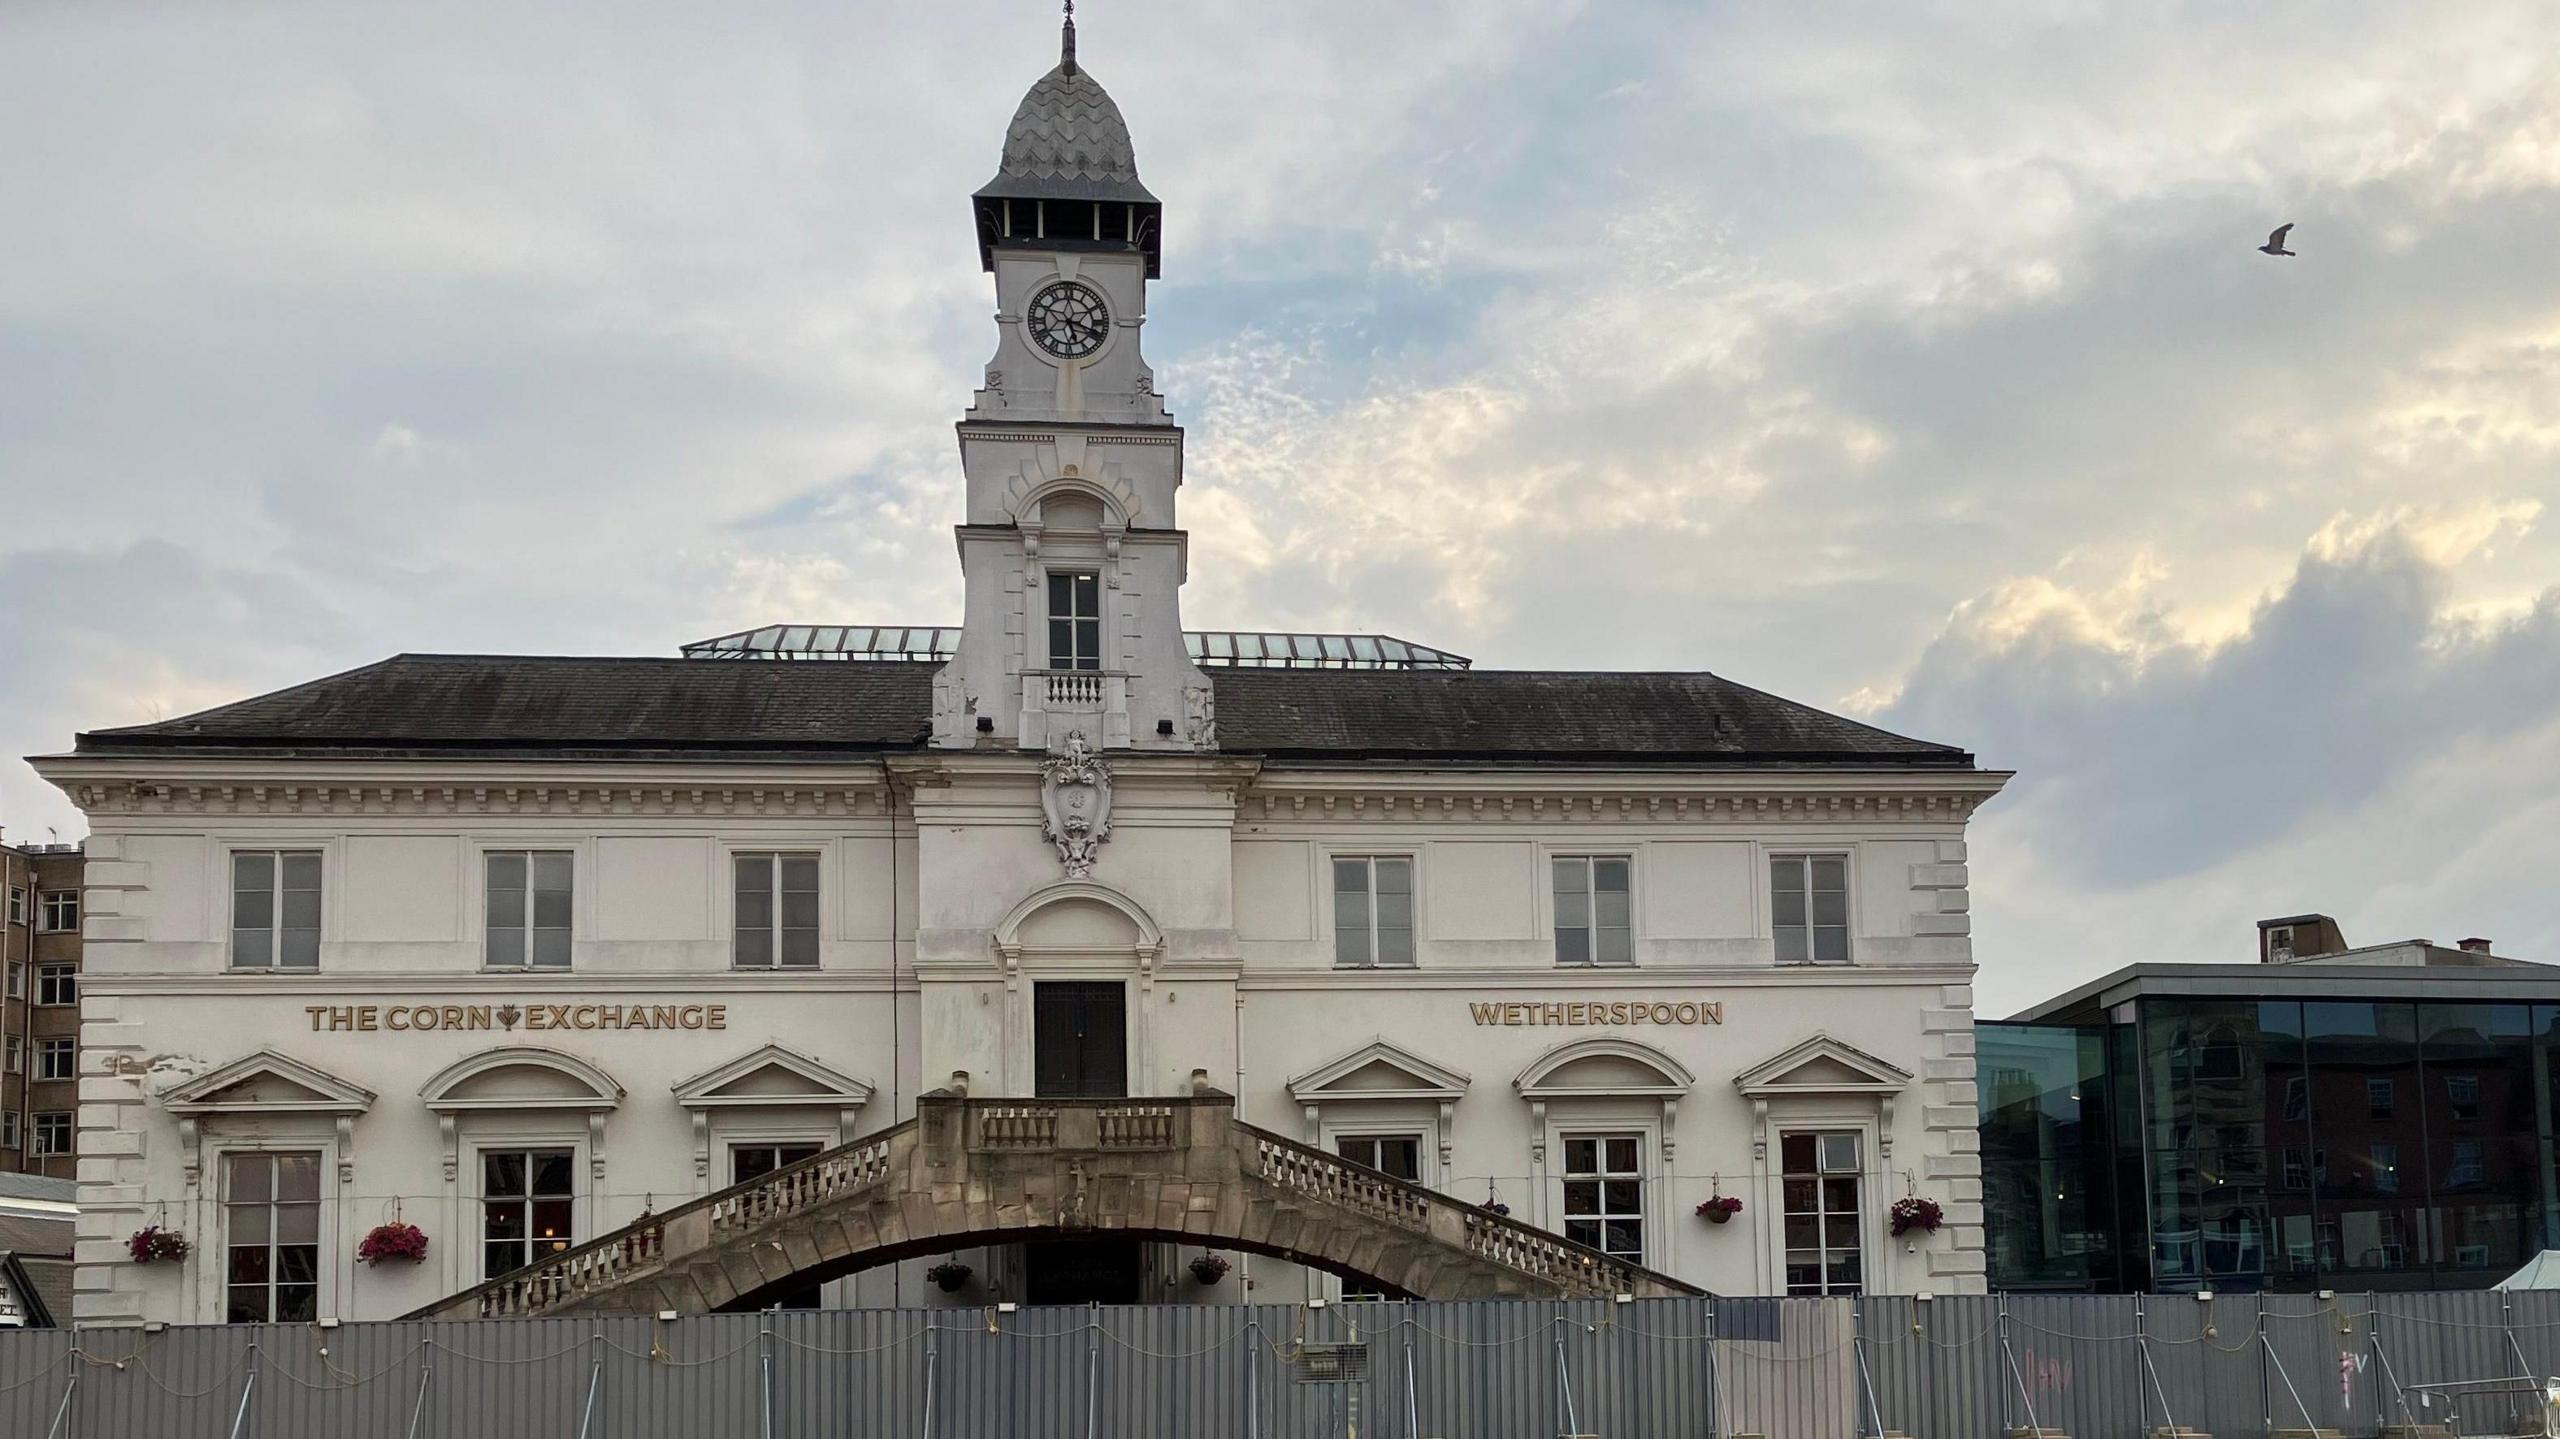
(422, 1018)
(1584, 1012)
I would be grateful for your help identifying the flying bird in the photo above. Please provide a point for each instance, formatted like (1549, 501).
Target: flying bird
(2275, 242)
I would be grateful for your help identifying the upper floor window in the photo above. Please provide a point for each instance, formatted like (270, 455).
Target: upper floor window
(17, 905)
(2462, 1091)
(1372, 911)
(17, 979)
(1592, 909)
(2381, 1098)
(777, 911)
(275, 909)
(1809, 907)
(53, 1132)
(58, 911)
(1075, 620)
(13, 1054)
(528, 924)
(271, 1237)
(57, 1059)
(57, 984)
(8, 1129)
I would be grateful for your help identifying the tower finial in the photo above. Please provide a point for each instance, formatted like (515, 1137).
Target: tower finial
(1067, 40)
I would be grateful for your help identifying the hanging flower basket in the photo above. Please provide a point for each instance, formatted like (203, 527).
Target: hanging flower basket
(1716, 1209)
(1493, 1201)
(1914, 1212)
(394, 1242)
(1209, 1268)
(152, 1244)
(951, 1276)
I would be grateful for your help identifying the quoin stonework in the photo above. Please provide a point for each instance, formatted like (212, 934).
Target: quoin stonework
(521, 950)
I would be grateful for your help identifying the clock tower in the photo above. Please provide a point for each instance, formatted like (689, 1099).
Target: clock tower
(1071, 556)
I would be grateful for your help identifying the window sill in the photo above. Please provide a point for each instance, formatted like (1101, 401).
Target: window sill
(775, 969)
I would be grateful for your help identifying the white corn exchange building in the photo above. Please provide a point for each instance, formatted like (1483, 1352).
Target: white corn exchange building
(516, 950)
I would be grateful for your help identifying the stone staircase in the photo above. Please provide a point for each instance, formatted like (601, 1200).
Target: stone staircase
(967, 1172)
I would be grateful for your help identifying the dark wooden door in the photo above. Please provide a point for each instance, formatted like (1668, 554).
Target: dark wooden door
(1080, 1039)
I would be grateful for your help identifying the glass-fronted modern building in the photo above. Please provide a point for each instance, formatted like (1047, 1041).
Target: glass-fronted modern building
(2359, 1119)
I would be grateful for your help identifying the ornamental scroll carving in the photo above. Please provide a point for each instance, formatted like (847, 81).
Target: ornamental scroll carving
(1075, 804)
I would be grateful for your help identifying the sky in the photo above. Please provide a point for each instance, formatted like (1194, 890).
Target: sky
(1913, 361)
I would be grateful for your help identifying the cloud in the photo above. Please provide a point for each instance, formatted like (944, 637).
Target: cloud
(1920, 363)
(2319, 743)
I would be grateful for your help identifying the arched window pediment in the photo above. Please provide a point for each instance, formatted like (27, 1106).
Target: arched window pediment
(1606, 1066)
(521, 1077)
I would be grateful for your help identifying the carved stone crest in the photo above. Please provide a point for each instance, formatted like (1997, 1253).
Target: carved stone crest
(1075, 804)
(1200, 716)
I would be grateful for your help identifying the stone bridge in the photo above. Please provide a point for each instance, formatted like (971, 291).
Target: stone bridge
(967, 1172)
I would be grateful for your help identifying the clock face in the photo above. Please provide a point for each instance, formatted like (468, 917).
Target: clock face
(1069, 320)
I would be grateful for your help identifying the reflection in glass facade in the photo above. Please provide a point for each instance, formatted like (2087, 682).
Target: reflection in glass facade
(2289, 1145)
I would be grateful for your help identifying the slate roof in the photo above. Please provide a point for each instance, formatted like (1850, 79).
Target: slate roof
(431, 705)
(434, 704)
(1539, 715)
(1068, 142)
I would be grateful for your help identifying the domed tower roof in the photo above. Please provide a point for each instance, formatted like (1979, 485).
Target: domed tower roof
(1068, 143)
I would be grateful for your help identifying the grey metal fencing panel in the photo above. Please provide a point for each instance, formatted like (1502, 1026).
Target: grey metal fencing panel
(2094, 1367)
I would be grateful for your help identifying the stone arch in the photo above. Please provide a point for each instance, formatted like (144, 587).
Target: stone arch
(1025, 496)
(521, 1076)
(1079, 916)
(1606, 1065)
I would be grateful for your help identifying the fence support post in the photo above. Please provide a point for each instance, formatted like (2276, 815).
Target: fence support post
(1252, 1385)
(1715, 1378)
(1564, 1382)
(931, 1356)
(764, 1362)
(2382, 1361)
(248, 1386)
(1412, 1406)
(62, 1410)
(1092, 1367)
(426, 1374)
(595, 1383)
(1866, 1381)
(2142, 1351)
(2017, 1376)
(2266, 1390)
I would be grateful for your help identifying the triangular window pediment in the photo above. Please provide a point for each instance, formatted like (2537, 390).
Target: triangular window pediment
(1379, 1070)
(269, 1082)
(772, 1077)
(1822, 1065)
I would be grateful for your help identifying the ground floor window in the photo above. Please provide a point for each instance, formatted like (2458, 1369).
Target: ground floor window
(1397, 1156)
(526, 1206)
(1823, 1212)
(755, 1161)
(1604, 1193)
(271, 1237)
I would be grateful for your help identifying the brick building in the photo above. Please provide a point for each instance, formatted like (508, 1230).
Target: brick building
(40, 1013)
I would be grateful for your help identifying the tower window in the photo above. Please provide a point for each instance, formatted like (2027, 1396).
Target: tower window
(1075, 620)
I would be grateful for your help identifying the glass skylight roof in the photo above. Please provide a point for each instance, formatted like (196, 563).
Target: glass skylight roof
(1257, 648)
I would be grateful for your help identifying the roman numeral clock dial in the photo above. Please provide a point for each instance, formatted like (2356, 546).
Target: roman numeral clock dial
(1069, 320)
